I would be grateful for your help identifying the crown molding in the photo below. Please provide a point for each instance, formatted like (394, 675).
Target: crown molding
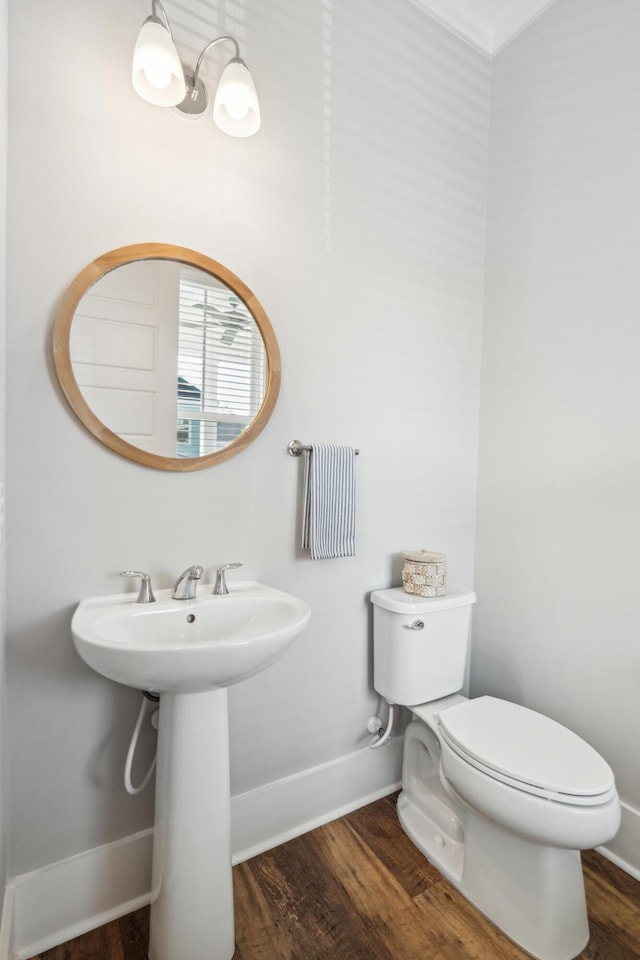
(487, 25)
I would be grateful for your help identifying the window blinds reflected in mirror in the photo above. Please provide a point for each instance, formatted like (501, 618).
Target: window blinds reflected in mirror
(221, 365)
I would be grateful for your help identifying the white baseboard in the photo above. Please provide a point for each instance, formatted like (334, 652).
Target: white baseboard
(277, 812)
(65, 899)
(5, 923)
(624, 849)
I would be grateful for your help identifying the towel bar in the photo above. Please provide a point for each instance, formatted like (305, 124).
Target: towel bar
(295, 448)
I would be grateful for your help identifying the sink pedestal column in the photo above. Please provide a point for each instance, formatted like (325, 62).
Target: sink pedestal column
(192, 905)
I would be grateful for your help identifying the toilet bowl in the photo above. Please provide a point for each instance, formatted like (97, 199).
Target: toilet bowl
(529, 772)
(500, 798)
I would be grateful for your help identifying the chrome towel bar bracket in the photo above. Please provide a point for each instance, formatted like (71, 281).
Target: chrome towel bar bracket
(296, 448)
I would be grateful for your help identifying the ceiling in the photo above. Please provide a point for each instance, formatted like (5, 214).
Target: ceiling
(488, 25)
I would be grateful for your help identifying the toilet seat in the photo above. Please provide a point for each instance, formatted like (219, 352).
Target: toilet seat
(527, 751)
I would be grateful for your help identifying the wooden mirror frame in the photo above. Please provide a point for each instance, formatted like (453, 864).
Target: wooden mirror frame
(64, 369)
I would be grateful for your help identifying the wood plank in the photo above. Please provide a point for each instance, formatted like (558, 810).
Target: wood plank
(391, 915)
(614, 915)
(258, 929)
(134, 934)
(103, 942)
(594, 863)
(289, 905)
(602, 946)
(378, 826)
(462, 924)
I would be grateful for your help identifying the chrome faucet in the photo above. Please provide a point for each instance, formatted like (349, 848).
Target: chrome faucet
(185, 586)
(221, 589)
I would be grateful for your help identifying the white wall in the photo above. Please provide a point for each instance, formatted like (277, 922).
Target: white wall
(357, 217)
(558, 566)
(3, 320)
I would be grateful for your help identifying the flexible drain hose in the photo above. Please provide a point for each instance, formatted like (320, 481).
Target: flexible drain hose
(383, 736)
(132, 749)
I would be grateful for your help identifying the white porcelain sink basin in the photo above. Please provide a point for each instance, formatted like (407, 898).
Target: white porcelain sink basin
(184, 646)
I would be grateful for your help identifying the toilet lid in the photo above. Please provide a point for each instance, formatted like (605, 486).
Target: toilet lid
(518, 745)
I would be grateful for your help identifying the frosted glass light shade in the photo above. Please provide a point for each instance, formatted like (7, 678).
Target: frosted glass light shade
(157, 74)
(236, 110)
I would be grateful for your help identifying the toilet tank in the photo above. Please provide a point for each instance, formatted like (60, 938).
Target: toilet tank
(413, 663)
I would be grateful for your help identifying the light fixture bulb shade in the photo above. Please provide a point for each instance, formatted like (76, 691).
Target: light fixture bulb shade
(236, 110)
(157, 73)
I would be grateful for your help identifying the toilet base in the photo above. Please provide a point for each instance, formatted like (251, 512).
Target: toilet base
(533, 893)
(446, 853)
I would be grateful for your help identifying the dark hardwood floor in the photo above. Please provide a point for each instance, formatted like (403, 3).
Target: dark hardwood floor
(357, 889)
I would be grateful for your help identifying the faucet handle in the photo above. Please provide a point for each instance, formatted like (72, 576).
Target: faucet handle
(221, 589)
(146, 591)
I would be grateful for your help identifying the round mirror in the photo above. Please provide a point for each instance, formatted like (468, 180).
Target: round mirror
(166, 356)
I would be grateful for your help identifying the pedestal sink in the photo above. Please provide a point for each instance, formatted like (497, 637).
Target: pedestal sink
(188, 653)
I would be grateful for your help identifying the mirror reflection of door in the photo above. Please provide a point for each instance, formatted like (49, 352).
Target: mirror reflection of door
(169, 358)
(123, 346)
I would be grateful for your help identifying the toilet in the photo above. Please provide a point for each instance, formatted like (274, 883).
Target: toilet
(499, 798)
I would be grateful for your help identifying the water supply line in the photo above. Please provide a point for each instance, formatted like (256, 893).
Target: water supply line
(134, 742)
(382, 734)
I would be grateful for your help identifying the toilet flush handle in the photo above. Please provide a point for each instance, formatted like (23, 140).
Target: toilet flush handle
(415, 625)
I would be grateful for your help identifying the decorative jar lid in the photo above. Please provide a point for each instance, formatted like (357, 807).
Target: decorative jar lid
(424, 556)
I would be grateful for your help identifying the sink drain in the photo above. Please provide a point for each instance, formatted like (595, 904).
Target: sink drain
(191, 617)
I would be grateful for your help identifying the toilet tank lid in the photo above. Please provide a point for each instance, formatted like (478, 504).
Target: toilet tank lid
(526, 746)
(396, 600)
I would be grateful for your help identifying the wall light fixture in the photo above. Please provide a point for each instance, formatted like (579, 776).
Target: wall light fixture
(161, 79)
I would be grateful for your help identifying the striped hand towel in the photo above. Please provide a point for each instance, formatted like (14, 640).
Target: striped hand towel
(329, 502)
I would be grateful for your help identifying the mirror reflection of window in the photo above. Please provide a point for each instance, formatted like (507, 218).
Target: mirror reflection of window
(221, 365)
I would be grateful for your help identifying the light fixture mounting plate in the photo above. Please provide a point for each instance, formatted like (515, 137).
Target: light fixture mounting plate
(196, 99)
